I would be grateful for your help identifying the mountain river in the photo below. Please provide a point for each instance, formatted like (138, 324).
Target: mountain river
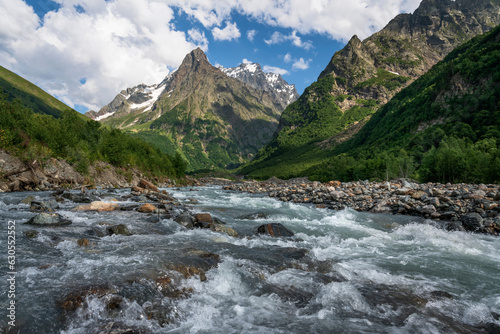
(341, 272)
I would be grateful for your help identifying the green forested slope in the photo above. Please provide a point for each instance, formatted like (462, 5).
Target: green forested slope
(35, 125)
(444, 127)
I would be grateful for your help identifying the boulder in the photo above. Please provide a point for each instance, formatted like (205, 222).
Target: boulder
(50, 205)
(203, 218)
(418, 194)
(185, 220)
(275, 230)
(472, 221)
(147, 208)
(28, 200)
(224, 229)
(48, 220)
(77, 198)
(148, 185)
(97, 206)
(118, 229)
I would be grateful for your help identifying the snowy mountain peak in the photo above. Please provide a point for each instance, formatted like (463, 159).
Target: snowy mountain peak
(253, 75)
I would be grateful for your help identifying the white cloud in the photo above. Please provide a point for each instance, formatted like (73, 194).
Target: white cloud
(198, 37)
(251, 34)
(113, 45)
(274, 69)
(120, 43)
(287, 58)
(301, 64)
(230, 32)
(246, 61)
(278, 37)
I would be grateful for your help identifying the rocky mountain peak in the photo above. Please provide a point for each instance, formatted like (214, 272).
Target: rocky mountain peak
(272, 83)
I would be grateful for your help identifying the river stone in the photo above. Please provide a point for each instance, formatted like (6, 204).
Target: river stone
(28, 200)
(418, 194)
(185, 220)
(77, 198)
(274, 230)
(48, 219)
(428, 209)
(148, 185)
(31, 234)
(50, 205)
(472, 221)
(224, 229)
(253, 216)
(118, 229)
(203, 217)
(97, 206)
(147, 208)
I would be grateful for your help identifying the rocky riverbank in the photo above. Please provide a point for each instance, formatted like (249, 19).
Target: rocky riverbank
(463, 207)
(16, 175)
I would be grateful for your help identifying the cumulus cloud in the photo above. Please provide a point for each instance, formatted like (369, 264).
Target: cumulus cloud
(230, 32)
(251, 34)
(338, 19)
(113, 45)
(120, 43)
(274, 69)
(278, 37)
(301, 64)
(246, 61)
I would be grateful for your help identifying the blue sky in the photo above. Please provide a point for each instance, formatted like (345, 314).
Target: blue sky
(85, 51)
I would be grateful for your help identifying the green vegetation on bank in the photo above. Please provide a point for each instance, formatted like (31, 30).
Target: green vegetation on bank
(444, 127)
(81, 142)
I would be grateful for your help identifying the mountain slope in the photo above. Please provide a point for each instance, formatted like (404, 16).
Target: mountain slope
(213, 119)
(365, 75)
(35, 127)
(445, 127)
(31, 95)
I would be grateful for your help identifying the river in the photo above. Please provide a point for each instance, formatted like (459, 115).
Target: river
(342, 271)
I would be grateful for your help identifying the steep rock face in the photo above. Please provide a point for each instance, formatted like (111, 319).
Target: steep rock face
(253, 75)
(213, 119)
(366, 74)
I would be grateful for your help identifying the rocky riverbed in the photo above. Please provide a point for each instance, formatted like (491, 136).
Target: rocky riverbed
(208, 260)
(462, 207)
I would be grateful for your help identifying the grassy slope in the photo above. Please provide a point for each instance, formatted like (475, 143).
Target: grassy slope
(31, 95)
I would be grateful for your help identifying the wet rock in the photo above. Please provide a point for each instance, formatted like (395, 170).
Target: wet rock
(275, 230)
(147, 208)
(253, 216)
(31, 234)
(472, 221)
(185, 220)
(148, 185)
(49, 206)
(140, 199)
(97, 206)
(83, 242)
(48, 220)
(203, 218)
(120, 328)
(224, 229)
(441, 295)
(73, 300)
(27, 200)
(118, 229)
(77, 198)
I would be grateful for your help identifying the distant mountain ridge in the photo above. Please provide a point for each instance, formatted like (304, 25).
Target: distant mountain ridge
(253, 75)
(214, 119)
(365, 75)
